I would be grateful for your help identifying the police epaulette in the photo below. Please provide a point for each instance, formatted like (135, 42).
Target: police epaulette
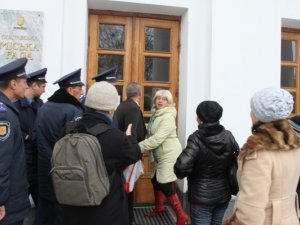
(3, 107)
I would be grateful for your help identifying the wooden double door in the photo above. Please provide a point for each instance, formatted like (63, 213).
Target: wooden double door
(145, 50)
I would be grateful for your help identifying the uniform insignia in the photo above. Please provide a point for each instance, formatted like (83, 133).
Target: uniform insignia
(3, 107)
(77, 118)
(4, 130)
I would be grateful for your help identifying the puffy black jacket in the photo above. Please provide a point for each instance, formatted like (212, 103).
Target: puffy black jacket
(205, 162)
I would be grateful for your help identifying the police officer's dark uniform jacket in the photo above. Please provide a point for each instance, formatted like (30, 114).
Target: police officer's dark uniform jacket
(28, 112)
(13, 179)
(52, 116)
(205, 161)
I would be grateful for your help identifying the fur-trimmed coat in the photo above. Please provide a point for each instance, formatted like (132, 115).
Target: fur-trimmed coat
(268, 175)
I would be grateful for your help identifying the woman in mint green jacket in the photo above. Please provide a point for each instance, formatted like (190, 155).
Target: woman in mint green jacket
(164, 148)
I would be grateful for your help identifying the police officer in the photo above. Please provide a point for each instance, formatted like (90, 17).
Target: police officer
(14, 202)
(28, 107)
(61, 107)
(107, 75)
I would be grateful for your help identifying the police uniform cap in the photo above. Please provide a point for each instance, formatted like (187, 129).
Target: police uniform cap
(107, 75)
(14, 69)
(71, 79)
(38, 75)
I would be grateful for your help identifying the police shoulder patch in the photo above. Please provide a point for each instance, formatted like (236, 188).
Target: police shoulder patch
(3, 107)
(77, 118)
(4, 130)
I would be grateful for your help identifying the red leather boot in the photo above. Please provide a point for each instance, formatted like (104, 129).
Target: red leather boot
(159, 204)
(175, 203)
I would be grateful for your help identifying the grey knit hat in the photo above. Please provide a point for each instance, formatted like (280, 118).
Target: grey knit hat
(102, 96)
(271, 104)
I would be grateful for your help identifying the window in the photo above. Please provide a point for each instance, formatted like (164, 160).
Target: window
(290, 76)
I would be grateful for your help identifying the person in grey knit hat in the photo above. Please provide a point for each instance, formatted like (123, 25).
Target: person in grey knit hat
(269, 168)
(119, 149)
(102, 96)
(271, 104)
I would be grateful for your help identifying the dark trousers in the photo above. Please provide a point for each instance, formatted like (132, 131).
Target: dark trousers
(17, 223)
(81, 215)
(168, 188)
(130, 207)
(34, 191)
(33, 181)
(48, 213)
(207, 215)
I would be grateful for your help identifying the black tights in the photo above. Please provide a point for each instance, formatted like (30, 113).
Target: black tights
(168, 188)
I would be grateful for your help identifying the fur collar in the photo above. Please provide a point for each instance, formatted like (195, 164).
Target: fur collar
(273, 136)
(62, 96)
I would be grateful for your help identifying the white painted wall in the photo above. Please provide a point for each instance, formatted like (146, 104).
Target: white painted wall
(65, 32)
(245, 57)
(289, 12)
(290, 9)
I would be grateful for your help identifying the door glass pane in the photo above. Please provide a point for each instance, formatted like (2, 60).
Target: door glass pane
(106, 62)
(288, 76)
(111, 36)
(156, 69)
(157, 39)
(288, 50)
(149, 93)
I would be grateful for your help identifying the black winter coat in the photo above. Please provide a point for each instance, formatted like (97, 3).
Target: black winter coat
(129, 112)
(28, 114)
(13, 179)
(205, 162)
(118, 151)
(50, 121)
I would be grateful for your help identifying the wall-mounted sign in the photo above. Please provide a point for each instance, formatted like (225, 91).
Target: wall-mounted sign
(21, 35)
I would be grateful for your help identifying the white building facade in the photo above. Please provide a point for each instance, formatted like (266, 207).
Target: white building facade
(229, 48)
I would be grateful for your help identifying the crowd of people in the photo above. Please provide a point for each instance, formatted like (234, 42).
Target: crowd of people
(268, 163)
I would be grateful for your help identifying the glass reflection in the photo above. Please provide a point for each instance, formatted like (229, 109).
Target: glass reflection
(288, 50)
(157, 39)
(156, 69)
(106, 62)
(111, 36)
(288, 76)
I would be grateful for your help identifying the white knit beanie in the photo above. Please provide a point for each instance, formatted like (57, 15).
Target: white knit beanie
(102, 96)
(271, 104)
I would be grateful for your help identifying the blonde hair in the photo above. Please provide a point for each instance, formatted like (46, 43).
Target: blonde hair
(165, 94)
